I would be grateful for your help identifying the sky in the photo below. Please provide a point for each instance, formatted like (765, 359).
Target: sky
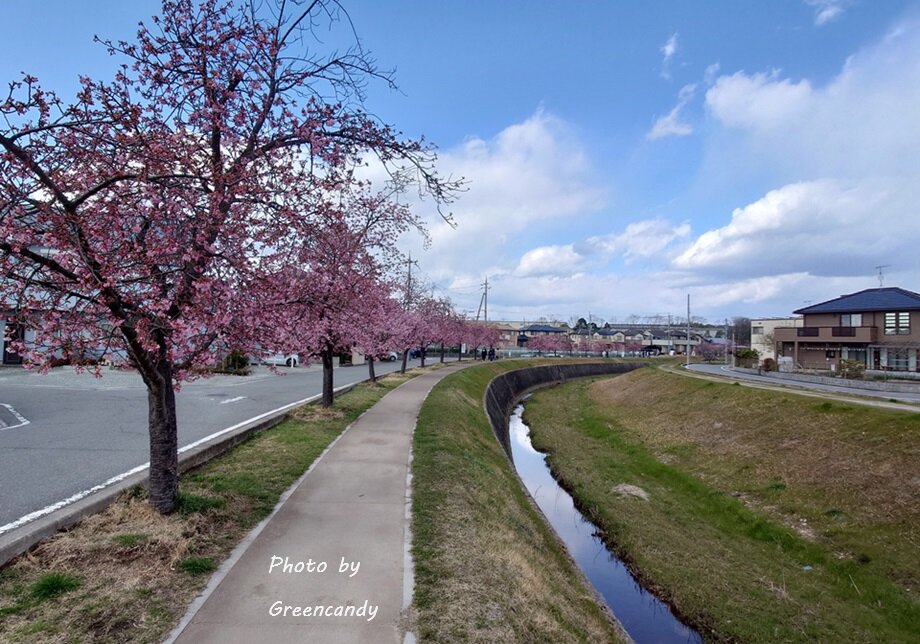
(620, 156)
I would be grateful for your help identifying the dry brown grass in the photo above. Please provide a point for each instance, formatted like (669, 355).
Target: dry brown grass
(315, 412)
(862, 461)
(127, 559)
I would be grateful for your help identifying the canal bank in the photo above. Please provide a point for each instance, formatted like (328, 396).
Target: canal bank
(645, 617)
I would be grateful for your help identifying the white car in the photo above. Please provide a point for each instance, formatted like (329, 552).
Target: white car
(281, 360)
(392, 356)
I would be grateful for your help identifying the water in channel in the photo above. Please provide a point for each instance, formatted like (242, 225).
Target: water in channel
(645, 617)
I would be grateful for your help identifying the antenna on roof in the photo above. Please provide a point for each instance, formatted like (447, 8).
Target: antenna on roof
(881, 274)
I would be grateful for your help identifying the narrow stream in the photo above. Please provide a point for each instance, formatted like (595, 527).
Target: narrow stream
(645, 617)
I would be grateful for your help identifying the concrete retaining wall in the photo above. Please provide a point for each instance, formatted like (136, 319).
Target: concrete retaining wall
(506, 390)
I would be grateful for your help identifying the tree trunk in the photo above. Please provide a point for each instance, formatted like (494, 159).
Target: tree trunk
(422, 357)
(405, 359)
(164, 455)
(328, 397)
(370, 370)
(442, 353)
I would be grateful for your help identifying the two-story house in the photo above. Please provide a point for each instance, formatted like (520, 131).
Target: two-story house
(536, 330)
(880, 327)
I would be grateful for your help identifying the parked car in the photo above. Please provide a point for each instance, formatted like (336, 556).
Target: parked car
(281, 360)
(392, 356)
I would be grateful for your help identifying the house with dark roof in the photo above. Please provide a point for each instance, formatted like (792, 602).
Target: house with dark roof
(879, 327)
(535, 330)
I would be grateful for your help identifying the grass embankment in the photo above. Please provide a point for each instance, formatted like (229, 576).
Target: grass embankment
(487, 567)
(771, 517)
(129, 574)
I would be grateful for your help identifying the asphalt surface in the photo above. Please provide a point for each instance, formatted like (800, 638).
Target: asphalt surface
(727, 372)
(63, 433)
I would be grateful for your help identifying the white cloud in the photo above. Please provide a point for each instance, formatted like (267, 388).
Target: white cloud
(712, 71)
(550, 260)
(760, 101)
(864, 122)
(846, 158)
(823, 228)
(529, 177)
(668, 51)
(640, 240)
(671, 124)
(532, 171)
(826, 10)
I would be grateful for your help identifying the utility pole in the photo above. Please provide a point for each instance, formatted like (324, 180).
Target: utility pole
(485, 300)
(670, 338)
(688, 329)
(410, 262)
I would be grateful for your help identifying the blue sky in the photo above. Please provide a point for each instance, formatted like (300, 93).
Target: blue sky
(620, 155)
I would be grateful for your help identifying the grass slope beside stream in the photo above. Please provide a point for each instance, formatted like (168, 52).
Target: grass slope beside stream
(488, 568)
(770, 517)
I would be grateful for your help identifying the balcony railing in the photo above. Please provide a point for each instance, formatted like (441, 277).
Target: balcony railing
(833, 334)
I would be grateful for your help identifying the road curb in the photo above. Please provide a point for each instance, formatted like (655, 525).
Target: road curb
(20, 540)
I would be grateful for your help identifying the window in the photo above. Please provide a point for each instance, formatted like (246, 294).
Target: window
(756, 330)
(851, 319)
(807, 331)
(897, 323)
(898, 359)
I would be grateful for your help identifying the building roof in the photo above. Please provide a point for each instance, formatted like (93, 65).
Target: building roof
(871, 299)
(542, 328)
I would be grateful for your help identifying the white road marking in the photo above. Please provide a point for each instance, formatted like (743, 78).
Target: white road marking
(230, 400)
(22, 419)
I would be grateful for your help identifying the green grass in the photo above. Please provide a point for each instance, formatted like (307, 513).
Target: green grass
(487, 566)
(130, 539)
(54, 584)
(770, 518)
(190, 503)
(197, 565)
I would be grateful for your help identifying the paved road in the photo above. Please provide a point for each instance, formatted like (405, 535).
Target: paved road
(721, 370)
(62, 433)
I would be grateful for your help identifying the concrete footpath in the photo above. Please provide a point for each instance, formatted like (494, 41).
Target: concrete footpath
(331, 564)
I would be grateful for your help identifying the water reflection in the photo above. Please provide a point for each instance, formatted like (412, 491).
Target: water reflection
(645, 618)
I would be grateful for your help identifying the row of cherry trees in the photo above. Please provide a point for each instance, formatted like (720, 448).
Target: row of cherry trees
(562, 343)
(206, 198)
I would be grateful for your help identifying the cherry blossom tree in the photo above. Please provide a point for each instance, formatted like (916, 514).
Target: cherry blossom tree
(379, 332)
(336, 288)
(557, 342)
(144, 218)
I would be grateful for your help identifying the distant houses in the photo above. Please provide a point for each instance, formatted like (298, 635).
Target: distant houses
(626, 339)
